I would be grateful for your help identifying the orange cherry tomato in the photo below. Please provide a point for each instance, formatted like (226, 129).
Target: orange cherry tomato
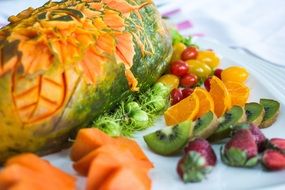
(234, 73)
(209, 57)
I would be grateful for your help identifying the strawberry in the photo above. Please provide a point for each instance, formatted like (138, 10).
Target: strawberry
(259, 137)
(273, 160)
(277, 144)
(241, 150)
(199, 158)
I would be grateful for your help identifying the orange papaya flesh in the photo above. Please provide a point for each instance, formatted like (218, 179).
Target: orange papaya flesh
(28, 171)
(87, 140)
(92, 138)
(133, 147)
(42, 167)
(126, 178)
(107, 163)
(121, 156)
(21, 178)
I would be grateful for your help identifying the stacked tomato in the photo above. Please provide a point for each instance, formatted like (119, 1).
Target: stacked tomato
(189, 68)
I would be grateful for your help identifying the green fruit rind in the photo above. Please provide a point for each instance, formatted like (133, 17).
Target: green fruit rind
(228, 121)
(272, 109)
(254, 113)
(169, 140)
(206, 125)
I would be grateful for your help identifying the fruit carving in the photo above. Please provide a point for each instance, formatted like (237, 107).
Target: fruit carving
(65, 63)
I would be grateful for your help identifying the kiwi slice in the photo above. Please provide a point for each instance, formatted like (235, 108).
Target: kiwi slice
(272, 109)
(232, 117)
(169, 140)
(254, 113)
(206, 125)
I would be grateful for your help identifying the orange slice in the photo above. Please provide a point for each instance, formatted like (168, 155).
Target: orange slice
(186, 109)
(239, 92)
(206, 102)
(220, 95)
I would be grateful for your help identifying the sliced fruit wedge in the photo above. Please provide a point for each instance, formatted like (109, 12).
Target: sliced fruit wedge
(186, 109)
(206, 102)
(254, 113)
(238, 91)
(205, 125)
(235, 115)
(272, 109)
(220, 95)
(169, 140)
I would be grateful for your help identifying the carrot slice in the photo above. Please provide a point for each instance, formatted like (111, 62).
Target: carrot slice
(121, 156)
(21, 178)
(92, 138)
(86, 141)
(133, 147)
(107, 162)
(42, 167)
(127, 178)
(102, 166)
(28, 171)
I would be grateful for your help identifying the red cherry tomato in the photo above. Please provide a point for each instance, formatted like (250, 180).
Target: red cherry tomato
(207, 83)
(176, 96)
(179, 68)
(188, 80)
(186, 92)
(218, 73)
(189, 53)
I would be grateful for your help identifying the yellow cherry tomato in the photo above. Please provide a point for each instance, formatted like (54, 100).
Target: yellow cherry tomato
(199, 68)
(234, 73)
(170, 80)
(209, 57)
(177, 51)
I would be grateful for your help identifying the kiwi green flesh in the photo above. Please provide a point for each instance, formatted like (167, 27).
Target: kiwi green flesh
(271, 108)
(254, 113)
(206, 125)
(232, 117)
(169, 140)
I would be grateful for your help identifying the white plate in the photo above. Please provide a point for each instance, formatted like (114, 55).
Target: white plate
(265, 81)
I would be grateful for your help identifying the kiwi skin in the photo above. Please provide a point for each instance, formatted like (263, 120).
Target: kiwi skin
(272, 109)
(206, 125)
(254, 112)
(226, 126)
(169, 140)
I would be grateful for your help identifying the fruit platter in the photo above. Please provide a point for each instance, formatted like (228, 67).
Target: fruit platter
(92, 99)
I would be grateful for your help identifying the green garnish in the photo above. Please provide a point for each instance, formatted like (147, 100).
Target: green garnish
(177, 37)
(136, 113)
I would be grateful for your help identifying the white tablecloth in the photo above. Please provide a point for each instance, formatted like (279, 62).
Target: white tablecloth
(258, 26)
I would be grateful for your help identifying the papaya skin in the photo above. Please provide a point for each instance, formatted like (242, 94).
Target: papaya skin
(51, 86)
